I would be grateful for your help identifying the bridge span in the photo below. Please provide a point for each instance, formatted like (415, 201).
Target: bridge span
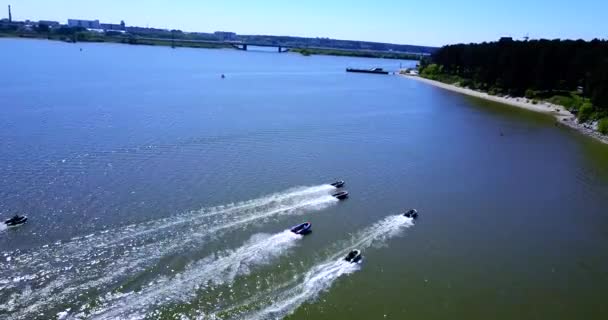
(241, 45)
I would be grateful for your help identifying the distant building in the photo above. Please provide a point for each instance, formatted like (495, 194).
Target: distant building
(225, 36)
(52, 24)
(506, 39)
(113, 27)
(89, 24)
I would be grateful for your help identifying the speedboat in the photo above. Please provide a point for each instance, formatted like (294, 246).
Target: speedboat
(302, 229)
(338, 184)
(353, 256)
(412, 213)
(16, 221)
(340, 195)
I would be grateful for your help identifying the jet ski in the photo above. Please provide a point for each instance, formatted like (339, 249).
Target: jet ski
(16, 221)
(353, 256)
(302, 229)
(338, 184)
(340, 195)
(412, 213)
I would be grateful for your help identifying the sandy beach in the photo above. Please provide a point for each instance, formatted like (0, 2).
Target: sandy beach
(560, 113)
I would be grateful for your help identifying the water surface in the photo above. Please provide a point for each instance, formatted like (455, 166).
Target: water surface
(143, 171)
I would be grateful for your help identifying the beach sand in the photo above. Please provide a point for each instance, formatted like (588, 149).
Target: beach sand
(560, 113)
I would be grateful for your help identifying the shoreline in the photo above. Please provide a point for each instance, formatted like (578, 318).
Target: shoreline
(185, 43)
(560, 113)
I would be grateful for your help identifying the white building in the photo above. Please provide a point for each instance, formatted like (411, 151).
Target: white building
(89, 24)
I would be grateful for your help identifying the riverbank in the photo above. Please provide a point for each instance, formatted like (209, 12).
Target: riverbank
(189, 43)
(560, 113)
(99, 38)
(360, 54)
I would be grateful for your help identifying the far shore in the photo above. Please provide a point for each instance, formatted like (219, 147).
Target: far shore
(185, 43)
(560, 113)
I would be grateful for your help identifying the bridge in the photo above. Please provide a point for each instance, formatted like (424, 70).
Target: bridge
(235, 44)
(240, 45)
(243, 45)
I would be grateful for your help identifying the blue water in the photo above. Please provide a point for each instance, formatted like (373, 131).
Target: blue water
(120, 156)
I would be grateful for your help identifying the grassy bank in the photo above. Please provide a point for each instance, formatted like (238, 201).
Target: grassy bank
(82, 35)
(362, 54)
(104, 38)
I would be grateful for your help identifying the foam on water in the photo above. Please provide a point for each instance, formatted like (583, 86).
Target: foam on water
(58, 273)
(379, 232)
(217, 269)
(225, 210)
(321, 277)
(318, 279)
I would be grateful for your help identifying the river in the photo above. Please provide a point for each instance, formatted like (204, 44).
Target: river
(155, 188)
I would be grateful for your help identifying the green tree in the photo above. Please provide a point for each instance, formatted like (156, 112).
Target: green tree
(530, 94)
(603, 126)
(432, 71)
(585, 112)
(42, 28)
(547, 67)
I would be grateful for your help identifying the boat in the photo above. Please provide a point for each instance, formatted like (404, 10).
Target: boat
(354, 256)
(412, 213)
(302, 229)
(372, 70)
(16, 221)
(338, 184)
(340, 195)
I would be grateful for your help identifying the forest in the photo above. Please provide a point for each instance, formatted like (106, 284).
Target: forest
(573, 73)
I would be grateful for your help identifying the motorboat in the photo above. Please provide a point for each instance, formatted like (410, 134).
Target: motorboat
(342, 195)
(338, 184)
(302, 229)
(354, 256)
(412, 213)
(15, 221)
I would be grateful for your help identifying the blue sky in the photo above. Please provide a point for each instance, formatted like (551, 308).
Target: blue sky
(422, 22)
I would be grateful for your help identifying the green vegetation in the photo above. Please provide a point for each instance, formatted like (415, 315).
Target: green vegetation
(363, 54)
(177, 38)
(570, 100)
(435, 72)
(569, 73)
(345, 45)
(585, 112)
(303, 52)
(602, 126)
(78, 34)
(531, 94)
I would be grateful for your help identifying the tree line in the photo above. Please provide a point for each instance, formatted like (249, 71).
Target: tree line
(537, 68)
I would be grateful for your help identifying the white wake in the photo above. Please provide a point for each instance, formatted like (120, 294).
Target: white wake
(217, 269)
(322, 276)
(59, 273)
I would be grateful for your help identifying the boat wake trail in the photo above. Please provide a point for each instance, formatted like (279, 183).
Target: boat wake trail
(217, 269)
(93, 265)
(317, 280)
(281, 303)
